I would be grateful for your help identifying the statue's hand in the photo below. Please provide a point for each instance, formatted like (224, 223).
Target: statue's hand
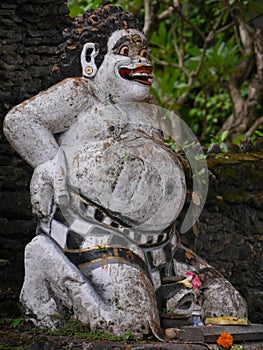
(42, 190)
(47, 188)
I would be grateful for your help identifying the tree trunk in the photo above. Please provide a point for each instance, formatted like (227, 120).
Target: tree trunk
(244, 109)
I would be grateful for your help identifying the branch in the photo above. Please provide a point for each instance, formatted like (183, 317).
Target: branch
(243, 109)
(228, 123)
(225, 28)
(235, 95)
(255, 89)
(179, 53)
(196, 29)
(184, 96)
(148, 19)
(254, 127)
(169, 64)
(218, 23)
(201, 61)
(165, 14)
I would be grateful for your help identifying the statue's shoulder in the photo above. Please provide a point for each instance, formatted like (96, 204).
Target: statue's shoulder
(70, 93)
(69, 85)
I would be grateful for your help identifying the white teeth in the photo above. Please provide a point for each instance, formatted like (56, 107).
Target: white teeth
(141, 75)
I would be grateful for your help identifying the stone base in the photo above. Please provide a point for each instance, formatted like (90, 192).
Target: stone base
(209, 334)
(192, 338)
(188, 338)
(44, 342)
(13, 340)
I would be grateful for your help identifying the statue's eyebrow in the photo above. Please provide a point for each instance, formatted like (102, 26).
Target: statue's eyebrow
(121, 41)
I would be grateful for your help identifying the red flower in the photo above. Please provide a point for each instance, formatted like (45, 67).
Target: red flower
(195, 281)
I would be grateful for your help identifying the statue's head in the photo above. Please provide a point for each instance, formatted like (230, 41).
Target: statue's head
(107, 46)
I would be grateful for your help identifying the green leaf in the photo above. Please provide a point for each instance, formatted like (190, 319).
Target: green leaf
(223, 135)
(256, 6)
(75, 9)
(162, 32)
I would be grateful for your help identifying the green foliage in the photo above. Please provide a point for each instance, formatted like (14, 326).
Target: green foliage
(167, 87)
(164, 310)
(195, 50)
(128, 336)
(208, 113)
(17, 322)
(73, 328)
(77, 7)
(8, 347)
(220, 140)
(256, 135)
(220, 61)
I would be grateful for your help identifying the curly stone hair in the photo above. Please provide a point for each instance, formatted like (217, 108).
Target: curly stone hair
(94, 26)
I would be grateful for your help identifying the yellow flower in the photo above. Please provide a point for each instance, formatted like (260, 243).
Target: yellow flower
(225, 340)
(186, 282)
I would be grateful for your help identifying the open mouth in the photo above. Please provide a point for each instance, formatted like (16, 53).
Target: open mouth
(141, 74)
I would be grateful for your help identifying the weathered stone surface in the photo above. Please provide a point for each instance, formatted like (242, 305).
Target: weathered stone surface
(112, 158)
(17, 65)
(229, 231)
(19, 37)
(210, 334)
(240, 218)
(12, 340)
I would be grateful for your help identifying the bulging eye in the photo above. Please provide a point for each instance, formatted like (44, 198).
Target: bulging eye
(144, 53)
(124, 50)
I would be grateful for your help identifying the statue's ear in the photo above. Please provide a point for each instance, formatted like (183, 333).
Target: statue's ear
(87, 59)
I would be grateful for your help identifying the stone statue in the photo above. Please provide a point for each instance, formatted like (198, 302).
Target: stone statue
(107, 192)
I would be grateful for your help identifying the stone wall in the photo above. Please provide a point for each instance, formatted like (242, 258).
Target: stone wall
(30, 32)
(229, 233)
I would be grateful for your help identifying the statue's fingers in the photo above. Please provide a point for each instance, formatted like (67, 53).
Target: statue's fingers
(42, 200)
(60, 182)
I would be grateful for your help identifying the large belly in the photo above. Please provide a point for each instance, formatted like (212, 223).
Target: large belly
(132, 176)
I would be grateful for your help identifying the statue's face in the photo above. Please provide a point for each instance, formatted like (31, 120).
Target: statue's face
(126, 72)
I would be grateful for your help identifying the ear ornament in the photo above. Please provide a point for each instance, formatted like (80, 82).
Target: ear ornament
(87, 59)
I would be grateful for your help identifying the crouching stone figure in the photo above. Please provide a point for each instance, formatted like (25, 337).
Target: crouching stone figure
(107, 192)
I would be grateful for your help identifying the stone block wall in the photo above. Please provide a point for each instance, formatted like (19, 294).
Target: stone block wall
(30, 32)
(229, 234)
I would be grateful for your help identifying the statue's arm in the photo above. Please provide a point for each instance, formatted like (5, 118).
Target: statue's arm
(30, 126)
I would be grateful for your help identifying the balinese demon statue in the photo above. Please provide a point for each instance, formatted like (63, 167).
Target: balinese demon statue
(107, 192)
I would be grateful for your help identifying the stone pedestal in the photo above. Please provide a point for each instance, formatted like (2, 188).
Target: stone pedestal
(250, 336)
(189, 338)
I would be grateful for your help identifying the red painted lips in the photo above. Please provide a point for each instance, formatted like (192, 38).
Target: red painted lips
(141, 74)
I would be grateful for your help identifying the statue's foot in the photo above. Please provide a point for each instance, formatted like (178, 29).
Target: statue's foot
(215, 295)
(220, 298)
(48, 315)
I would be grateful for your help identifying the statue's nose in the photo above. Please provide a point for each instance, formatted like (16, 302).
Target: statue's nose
(141, 60)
